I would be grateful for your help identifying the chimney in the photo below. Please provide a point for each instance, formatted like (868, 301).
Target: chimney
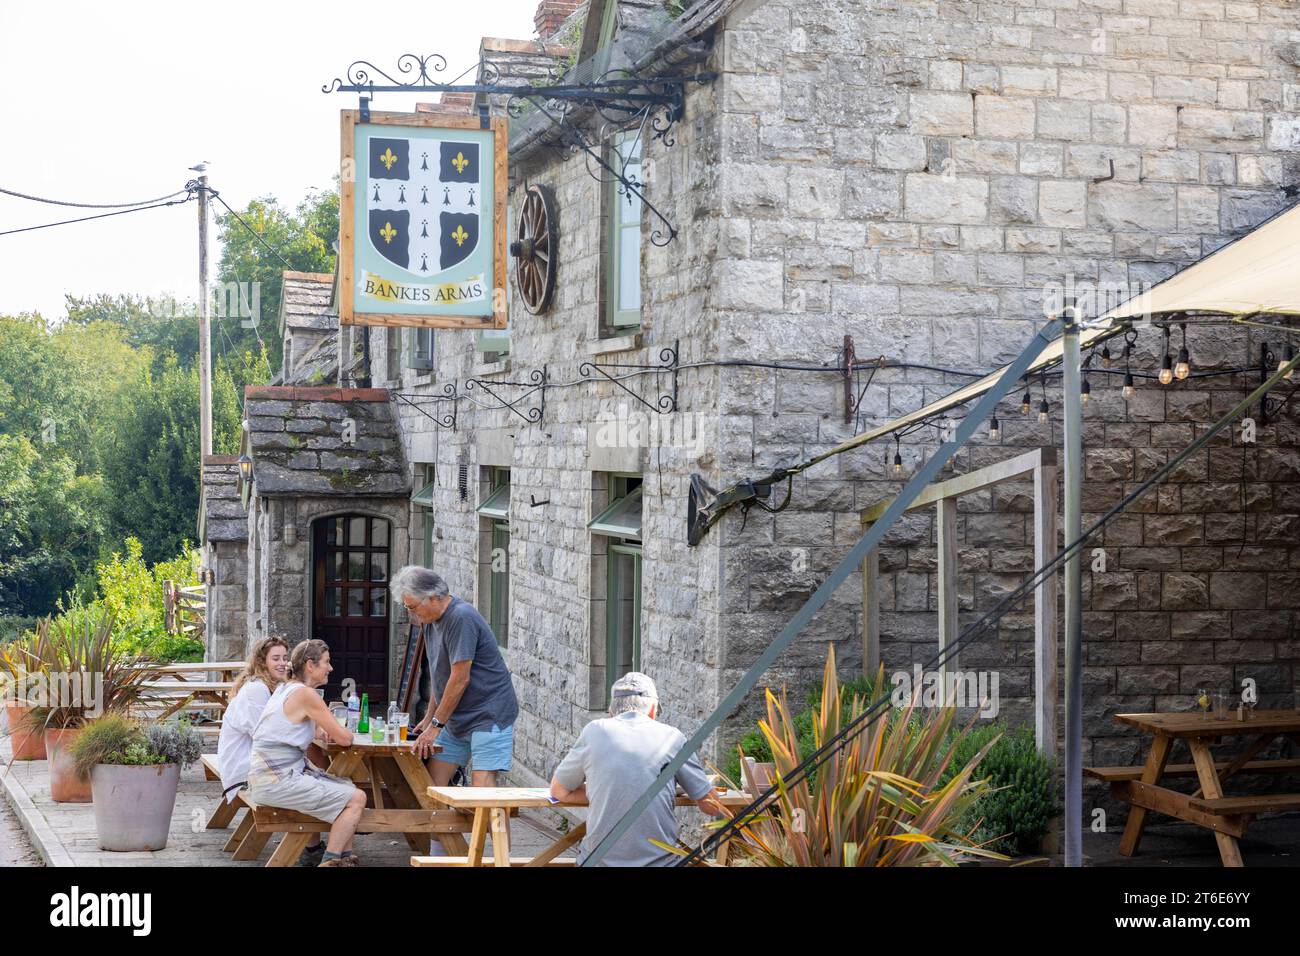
(550, 14)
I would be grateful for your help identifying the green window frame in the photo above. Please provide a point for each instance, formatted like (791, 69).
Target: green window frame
(620, 522)
(423, 499)
(623, 250)
(419, 349)
(496, 508)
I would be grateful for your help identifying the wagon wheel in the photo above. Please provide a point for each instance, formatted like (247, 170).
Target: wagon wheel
(535, 250)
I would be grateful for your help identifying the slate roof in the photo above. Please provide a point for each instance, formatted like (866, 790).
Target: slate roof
(295, 438)
(305, 301)
(221, 513)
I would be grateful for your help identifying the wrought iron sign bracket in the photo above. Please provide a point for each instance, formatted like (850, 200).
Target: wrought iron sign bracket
(666, 402)
(447, 420)
(535, 384)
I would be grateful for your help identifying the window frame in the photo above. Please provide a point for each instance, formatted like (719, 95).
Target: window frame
(617, 319)
(392, 354)
(414, 357)
(495, 599)
(613, 619)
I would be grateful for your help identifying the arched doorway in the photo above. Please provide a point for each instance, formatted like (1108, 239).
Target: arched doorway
(350, 601)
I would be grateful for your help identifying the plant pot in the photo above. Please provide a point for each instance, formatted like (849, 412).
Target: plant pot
(27, 744)
(133, 805)
(65, 785)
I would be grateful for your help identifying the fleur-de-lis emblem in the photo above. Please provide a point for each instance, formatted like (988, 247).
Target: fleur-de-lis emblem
(460, 162)
(460, 235)
(388, 232)
(388, 159)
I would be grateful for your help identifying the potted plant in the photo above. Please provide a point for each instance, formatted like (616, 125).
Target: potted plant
(133, 772)
(18, 668)
(87, 678)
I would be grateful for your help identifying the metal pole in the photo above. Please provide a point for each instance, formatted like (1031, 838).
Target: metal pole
(984, 407)
(1073, 408)
(205, 336)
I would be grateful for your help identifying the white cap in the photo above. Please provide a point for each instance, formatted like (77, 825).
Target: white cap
(634, 684)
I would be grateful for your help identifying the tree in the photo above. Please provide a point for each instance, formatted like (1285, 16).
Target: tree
(304, 237)
(165, 324)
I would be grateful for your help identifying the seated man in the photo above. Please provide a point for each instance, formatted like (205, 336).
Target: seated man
(613, 762)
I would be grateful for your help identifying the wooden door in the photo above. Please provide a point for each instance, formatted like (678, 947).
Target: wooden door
(350, 602)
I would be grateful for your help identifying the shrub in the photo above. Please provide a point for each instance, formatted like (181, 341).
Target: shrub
(174, 742)
(118, 740)
(1013, 815)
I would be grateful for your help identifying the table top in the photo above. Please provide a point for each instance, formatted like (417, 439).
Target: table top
(372, 749)
(1197, 724)
(196, 667)
(188, 686)
(465, 798)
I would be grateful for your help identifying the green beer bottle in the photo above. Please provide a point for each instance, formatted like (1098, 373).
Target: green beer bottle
(363, 725)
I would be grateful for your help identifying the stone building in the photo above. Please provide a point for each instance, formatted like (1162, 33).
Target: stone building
(926, 179)
(223, 537)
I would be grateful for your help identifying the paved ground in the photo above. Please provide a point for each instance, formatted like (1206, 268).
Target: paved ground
(65, 832)
(1269, 841)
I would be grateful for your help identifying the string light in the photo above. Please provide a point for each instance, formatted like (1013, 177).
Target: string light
(1085, 391)
(1128, 389)
(1183, 368)
(1130, 338)
(1025, 403)
(898, 457)
(995, 432)
(1106, 360)
(1167, 363)
(1044, 411)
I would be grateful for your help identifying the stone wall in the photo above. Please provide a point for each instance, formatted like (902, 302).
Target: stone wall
(920, 176)
(226, 620)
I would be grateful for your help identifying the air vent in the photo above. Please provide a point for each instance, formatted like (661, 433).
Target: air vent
(462, 478)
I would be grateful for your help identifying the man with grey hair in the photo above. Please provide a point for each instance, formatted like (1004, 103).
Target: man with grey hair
(613, 762)
(473, 708)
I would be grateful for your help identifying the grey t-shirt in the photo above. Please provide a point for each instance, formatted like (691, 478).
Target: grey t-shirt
(618, 757)
(461, 634)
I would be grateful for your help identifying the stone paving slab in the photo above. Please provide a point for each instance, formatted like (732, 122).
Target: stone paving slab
(64, 833)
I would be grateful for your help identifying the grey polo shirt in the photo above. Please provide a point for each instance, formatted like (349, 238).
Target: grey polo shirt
(461, 634)
(617, 758)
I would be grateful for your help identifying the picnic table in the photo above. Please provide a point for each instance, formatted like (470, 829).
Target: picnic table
(1227, 817)
(493, 807)
(184, 671)
(396, 782)
(175, 695)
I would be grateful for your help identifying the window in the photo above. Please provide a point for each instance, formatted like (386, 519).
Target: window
(494, 554)
(420, 349)
(423, 501)
(623, 250)
(393, 353)
(619, 527)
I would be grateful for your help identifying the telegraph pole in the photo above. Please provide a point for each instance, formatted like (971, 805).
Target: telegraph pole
(1073, 407)
(205, 336)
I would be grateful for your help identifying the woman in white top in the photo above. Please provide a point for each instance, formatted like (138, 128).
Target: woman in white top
(279, 773)
(267, 668)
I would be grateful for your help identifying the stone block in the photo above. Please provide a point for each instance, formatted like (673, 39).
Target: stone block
(957, 199)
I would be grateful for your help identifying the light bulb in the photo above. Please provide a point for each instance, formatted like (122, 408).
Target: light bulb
(1166, 370)
(1105, 356)
(1024, 403)
(1128, 389)
(898, 463)
(1085, 391)
(995, 432)
(1043, 410)
(1183, 368)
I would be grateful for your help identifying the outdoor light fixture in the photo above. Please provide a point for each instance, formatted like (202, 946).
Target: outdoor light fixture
(898, 458)
(995, 432)
(1183, 367)
(1106, 360)
(1043, 410)
(1025, 403)
(1085, 391)
(245, 468)
(1128, 389)
(1166, 363)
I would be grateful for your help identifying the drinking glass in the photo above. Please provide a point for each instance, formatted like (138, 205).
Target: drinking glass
(403, 726)
(1222, 702)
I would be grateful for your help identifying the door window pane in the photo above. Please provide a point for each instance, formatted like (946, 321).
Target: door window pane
(378, 603)
(378, 533)
(379, 567)
(334, 566)
(333, 600)
(356, 602)
(356, 566)
(357, 533)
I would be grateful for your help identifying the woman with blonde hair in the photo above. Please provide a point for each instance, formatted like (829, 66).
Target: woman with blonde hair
(267, 669)
(280, 774)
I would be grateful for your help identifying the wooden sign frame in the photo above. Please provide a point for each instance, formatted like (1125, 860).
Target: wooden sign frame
(347, 224)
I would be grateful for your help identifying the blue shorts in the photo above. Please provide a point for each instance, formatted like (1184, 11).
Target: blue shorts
(488, 749)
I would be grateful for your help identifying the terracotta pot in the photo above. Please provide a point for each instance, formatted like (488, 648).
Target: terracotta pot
(65, 785)
(27, 744)
(133, 805)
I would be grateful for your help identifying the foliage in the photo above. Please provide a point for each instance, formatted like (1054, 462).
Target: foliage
(82, 650)
(1013, 816)
(880, 800)
(116, 739)
(754, 742)
(304, 237)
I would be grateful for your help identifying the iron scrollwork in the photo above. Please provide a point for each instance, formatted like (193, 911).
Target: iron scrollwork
(535, 384)
(666, 402)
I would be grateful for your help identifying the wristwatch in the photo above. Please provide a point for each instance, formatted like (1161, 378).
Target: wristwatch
(437, 723)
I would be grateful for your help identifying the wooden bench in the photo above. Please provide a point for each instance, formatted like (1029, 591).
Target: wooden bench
(464, 861)
(1243, 806)
(1117, 774)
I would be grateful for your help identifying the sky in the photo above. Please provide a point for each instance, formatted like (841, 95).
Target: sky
(112, 102)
